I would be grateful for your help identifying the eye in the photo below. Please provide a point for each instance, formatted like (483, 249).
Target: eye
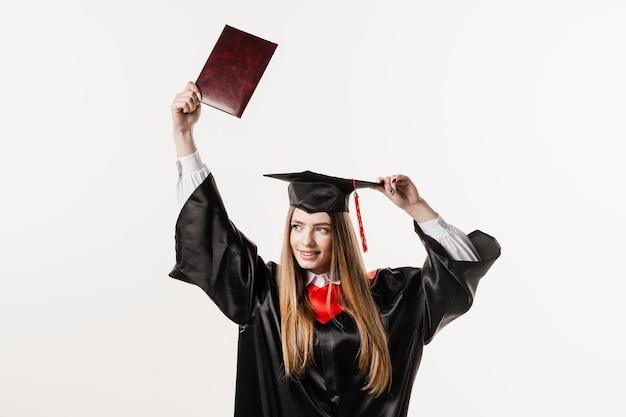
(296, 227)
(323, 230)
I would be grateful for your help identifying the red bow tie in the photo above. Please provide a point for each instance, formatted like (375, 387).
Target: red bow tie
(318, 296)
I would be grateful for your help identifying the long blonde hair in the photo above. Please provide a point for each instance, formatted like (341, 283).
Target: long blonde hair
(298, 319)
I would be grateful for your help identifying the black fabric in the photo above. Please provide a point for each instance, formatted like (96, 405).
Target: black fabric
(313, 192)
(414, 303)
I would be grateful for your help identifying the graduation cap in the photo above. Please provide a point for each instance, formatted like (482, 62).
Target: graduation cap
(313, 192)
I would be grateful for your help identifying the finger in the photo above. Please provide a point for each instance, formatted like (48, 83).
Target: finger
(180, 102)
(399, 180)
(194, 88)
(185, 102)
(190, 106)
(393, 183)
(184, 106)
(191, 86)
(191, 94)
(191, 90)
(379, 184)
(388, 186)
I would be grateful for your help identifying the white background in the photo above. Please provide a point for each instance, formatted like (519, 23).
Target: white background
(507, 114)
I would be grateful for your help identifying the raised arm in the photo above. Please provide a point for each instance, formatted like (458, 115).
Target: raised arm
(404, 194)
(455, 262)
(185, 113)
(210, 251)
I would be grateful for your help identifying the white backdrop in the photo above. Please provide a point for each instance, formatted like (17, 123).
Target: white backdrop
(507, 114)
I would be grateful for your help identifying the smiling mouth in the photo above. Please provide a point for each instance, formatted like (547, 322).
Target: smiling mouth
(308, 254)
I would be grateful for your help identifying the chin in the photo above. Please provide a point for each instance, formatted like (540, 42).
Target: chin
(315, 268)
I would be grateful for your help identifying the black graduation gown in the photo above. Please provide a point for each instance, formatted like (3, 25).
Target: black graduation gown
(414, 304)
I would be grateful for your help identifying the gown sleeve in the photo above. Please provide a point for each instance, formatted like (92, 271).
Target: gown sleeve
(214, 255)
(449, 285)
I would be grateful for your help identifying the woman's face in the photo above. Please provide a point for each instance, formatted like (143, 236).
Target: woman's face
(311, 240)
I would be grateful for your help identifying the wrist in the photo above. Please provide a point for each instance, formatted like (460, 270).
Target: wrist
(184, 142)
(421, 211)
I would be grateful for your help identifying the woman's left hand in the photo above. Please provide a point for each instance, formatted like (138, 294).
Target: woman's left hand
(404, 194)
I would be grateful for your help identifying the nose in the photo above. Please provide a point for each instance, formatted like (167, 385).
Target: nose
(307, 239)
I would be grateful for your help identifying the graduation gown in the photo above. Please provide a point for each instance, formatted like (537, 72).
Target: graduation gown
(414, 304)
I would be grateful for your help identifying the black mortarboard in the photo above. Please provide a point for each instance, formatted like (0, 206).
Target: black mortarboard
(313, 192)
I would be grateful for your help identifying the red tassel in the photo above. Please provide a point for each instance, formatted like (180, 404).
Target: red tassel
(358, 216)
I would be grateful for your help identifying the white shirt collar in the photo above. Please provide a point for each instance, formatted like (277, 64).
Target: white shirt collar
(319, 280)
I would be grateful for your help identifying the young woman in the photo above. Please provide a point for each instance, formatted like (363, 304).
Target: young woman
(319, 336)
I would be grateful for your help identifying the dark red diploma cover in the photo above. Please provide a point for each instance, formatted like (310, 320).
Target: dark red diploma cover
(233, 70)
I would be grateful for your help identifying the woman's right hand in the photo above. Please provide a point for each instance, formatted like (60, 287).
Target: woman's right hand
(185, 113)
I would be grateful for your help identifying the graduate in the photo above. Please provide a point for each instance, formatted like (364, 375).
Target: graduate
(319, 335)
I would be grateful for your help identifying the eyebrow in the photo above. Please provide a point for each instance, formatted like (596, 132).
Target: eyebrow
(315, 224)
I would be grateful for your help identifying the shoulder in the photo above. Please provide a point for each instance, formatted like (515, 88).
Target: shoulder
(397, 290)
(391, 281)
(371, 275)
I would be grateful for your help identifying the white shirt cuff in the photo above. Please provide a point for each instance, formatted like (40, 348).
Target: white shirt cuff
(454, 241)
(435, 228)
(189, 164)
(191, 173)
